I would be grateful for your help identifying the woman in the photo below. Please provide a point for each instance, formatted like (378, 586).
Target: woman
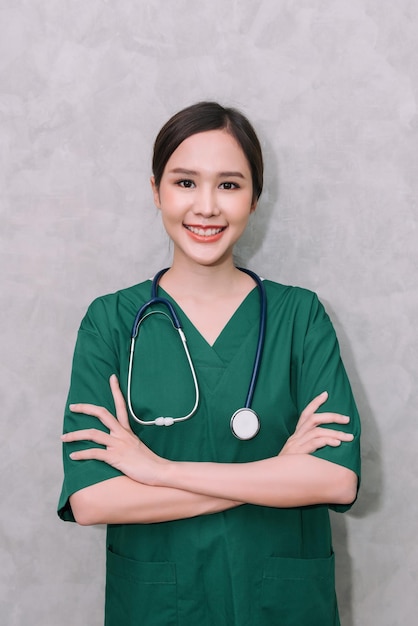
(205, 527)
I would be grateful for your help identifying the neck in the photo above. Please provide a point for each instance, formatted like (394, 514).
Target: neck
(206, 281)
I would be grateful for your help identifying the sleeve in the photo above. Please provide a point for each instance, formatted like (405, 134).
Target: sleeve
(322, 370)
(95, 360)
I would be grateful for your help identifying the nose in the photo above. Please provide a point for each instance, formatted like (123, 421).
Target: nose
(206, 203)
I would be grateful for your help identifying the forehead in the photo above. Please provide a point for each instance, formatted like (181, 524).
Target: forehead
(211, 150)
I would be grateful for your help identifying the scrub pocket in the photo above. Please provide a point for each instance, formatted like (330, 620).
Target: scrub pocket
(299, 592)
(139, 593)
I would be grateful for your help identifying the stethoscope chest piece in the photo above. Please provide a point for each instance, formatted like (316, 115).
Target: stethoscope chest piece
(245, 424)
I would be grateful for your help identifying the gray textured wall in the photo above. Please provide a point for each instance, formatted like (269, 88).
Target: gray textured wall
(332, 89)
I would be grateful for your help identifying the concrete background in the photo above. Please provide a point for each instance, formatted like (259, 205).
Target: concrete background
(331, 87)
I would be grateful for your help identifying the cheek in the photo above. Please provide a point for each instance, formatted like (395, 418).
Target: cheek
(242, 208)
(170, 199)
(167, 204)
(171, 210)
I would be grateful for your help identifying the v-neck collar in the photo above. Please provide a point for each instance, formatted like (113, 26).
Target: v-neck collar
(245, 316)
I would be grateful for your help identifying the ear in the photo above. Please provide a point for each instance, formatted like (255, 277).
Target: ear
(155, 193)
(253, 206)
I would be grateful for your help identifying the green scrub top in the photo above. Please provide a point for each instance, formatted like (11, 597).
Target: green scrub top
(251, 565)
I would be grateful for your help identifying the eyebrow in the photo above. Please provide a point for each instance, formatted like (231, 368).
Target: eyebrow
(181, 170)
(237, 174)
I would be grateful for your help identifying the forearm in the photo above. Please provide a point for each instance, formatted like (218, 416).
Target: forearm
(122, 500)
(283, 481)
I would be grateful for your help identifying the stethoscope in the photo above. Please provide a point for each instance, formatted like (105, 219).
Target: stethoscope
(245, 422)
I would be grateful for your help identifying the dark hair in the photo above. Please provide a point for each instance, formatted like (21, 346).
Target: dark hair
(202, 117)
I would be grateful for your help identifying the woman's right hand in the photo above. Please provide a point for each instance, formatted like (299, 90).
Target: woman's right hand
(309, 436)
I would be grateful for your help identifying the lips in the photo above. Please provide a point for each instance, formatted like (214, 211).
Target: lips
(205, 231)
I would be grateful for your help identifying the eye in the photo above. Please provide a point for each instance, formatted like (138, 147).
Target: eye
(186, 183)
(228, 185)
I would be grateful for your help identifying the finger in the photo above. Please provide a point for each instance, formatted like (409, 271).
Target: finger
(313, 405)
(106, 418)
(325, 418)
(332, 418)
(321, 442)
(97, 454)
(334, 434)
(318, 432)
(120, 404)
(89, 434)
(323, 437)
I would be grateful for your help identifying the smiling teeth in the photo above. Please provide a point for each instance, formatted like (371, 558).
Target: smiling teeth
(204, 232)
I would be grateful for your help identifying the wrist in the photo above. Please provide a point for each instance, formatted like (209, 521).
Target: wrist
(165, 473)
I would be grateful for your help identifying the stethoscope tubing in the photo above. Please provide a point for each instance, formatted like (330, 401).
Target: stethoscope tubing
(139, 319)
(141, 314)
(173, 317)
(261, 335)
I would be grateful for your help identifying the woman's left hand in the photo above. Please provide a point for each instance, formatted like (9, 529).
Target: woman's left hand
(123, 449)
(309, 435)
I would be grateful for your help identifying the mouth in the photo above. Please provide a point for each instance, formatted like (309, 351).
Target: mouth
(205, 231)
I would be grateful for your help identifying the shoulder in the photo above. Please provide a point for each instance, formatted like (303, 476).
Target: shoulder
(290, 294)
(280, 291)
(115, 306)
(297, 304)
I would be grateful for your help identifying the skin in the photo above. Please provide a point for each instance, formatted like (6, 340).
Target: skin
(194, 192)
(205, 198)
